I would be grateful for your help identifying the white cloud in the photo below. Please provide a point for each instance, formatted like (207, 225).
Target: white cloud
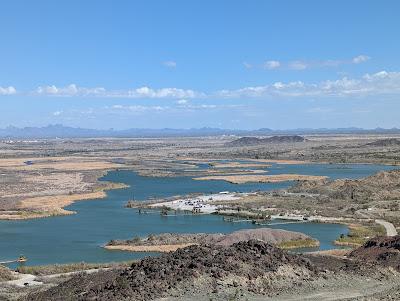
(146, 92)
(117, 106)
(308, 64)
(148, 108)
(370, 84)
(272, 65)
(142, 92)
(201, 106)
(8, 90)
(298, 65)
(360, 59)
(57, 113)
(170, 64)
(184, 104)
(330, 63)
(137, 108)
(71, 90)
(380, 83)
(319, 110)
(247, 65)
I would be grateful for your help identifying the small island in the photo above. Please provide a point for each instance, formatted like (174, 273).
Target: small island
(169, 242)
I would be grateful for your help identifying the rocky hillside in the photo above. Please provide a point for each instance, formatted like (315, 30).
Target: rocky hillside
(257, 266)
(381, 186)
(249, 270)
(384, 250)
(250, 141)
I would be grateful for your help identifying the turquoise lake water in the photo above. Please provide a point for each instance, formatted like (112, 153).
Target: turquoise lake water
(79, 237)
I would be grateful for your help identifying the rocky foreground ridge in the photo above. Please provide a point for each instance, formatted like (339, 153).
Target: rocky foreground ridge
(250, 270)
(253, 264)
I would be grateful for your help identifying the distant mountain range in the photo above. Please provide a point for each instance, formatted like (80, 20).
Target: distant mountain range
(60, 131)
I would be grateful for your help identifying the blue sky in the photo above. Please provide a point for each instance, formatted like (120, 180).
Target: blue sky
(182, 64)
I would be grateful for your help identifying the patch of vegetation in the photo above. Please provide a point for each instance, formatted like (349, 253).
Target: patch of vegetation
(110, 186)
(117, 242)
(359, 234)
(69, 267)
(395, 220)
(299, 243)
(245, 213)
(5, 274)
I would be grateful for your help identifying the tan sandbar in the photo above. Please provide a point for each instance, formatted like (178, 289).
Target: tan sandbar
(45, 206)
(239, 165)
(240, 179)
(279, 161)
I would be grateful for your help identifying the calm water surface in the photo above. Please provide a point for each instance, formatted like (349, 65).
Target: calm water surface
(79, 237)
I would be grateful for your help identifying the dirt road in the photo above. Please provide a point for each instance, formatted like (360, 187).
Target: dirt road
(24, 280)
(30, 280)
(390, 229)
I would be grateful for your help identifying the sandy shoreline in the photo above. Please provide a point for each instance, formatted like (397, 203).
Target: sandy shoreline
(57, 163)
(241, 179)
(280, 161)
(239, 165)
(155, 248)
(45, 206)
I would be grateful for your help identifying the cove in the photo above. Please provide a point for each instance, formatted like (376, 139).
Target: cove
(79, 237)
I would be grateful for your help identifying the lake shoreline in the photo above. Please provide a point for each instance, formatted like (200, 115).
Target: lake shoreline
(100, 220)
(242, 179)
(169, 242)
(50, 206)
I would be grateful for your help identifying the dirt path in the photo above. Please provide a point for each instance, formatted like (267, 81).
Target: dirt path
(334, 291)
(390, 229)
(358, 290)
(90, 271)
(30, 280)
(24, 280)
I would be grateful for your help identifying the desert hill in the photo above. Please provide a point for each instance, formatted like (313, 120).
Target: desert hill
(249, 141)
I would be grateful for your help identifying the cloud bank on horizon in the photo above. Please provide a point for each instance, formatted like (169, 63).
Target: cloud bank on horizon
(379, 83)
